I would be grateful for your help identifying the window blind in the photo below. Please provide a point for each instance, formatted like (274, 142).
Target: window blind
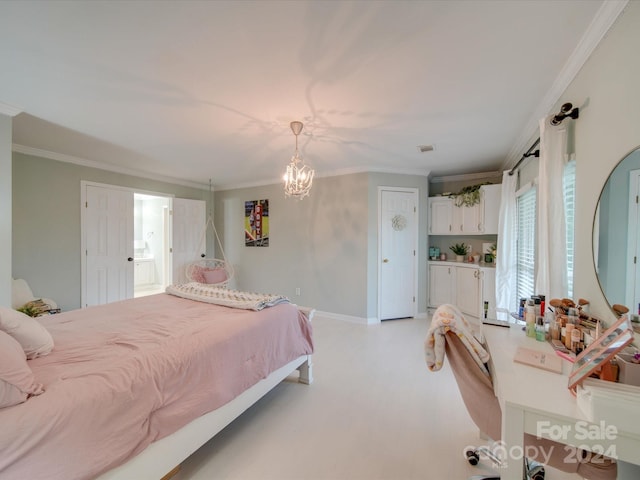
(569, 186)
(526, 248)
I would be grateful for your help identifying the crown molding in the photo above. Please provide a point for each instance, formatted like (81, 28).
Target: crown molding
(9, 110)
(604, 19)
(465, 176)
(332, 173)
(61, 157)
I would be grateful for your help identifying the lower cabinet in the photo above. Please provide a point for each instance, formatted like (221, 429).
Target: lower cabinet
(144, 272)
(467, 290)
(466, 286)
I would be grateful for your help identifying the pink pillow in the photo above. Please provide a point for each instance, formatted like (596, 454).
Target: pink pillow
(16, 378)
(197, 274)
(215, 275)
(29, 332)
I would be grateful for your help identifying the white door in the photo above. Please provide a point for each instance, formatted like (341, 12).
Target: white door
(189, 235)
(398, 256)
(108, 229)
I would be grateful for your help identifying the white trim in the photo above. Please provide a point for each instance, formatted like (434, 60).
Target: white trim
(526, 187)
(600, 25)
(61, 157)
(465, 176)
(416, 242)
(346, 318)
(332, 173)
(9, 110)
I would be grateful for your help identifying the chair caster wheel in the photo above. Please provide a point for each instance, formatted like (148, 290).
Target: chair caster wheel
(472, 457)
(535, 471)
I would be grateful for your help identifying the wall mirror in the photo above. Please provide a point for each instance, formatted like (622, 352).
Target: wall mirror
(616, 230)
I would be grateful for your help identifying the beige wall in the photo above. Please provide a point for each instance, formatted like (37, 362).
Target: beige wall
(5, 210)
(326, 244)
(607, 91)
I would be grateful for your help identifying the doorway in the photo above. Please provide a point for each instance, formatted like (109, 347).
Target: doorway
(126, 243)
(151, 243)
(397, 248)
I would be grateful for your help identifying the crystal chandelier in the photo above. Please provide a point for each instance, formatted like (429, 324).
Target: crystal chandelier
(298, 177)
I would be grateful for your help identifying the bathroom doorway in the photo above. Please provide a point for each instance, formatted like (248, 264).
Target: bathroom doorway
(151, 244)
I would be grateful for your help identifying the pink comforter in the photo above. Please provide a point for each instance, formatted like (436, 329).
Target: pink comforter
(126, 374)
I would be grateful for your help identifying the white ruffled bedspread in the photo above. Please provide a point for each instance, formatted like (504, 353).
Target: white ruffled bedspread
(448, 318)
(201, 292)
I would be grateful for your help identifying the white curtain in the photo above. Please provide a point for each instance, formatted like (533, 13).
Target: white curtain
(507, 261)
(551, 279)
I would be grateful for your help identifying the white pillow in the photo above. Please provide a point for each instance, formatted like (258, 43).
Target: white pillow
(16, 378)
(20, 293)
(31, 334)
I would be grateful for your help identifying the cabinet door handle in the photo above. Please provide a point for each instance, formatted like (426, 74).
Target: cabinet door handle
(479, 227)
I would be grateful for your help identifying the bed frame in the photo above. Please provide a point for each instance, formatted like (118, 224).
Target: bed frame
(166, 454)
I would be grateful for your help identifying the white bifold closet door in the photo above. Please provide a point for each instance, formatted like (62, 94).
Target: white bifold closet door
(108, 239)
(189, 235)
(108, 229)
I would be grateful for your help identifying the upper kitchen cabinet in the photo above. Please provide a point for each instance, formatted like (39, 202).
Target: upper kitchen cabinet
(445, 218)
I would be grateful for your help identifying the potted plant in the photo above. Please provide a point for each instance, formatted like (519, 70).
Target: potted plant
(459, 250)
(468, 196)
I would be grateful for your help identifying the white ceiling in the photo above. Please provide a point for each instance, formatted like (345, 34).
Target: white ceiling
(199, 90)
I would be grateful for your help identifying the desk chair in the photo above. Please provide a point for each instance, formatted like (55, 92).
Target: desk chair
(477, 393)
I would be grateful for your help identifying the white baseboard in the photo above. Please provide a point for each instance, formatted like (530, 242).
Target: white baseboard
(359, 320)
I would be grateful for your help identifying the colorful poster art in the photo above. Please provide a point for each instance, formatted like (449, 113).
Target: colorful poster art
(256, 223)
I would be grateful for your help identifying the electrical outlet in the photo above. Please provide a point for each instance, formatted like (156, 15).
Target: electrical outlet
(298, 291)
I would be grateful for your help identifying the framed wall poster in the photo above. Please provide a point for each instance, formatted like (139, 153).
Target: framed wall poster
(256, 223)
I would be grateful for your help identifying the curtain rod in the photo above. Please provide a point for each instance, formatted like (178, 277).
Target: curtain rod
(566, 110)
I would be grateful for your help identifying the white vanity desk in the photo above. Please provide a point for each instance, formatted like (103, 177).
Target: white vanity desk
(530, 396)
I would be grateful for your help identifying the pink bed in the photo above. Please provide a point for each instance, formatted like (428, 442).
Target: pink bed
(124, 375)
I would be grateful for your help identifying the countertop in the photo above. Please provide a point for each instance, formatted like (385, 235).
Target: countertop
(463, 264)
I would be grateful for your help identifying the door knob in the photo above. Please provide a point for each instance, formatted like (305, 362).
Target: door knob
(130, 259)
(386, 260)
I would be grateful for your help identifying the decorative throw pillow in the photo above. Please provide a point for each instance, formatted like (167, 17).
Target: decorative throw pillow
(17, 382)
(197, 274)
(30, 334)
(215, 275)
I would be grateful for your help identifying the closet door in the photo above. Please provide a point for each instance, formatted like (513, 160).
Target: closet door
(189, 235)
(108, 229)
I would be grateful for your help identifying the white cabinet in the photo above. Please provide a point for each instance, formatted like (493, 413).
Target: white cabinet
(440, 215)
(480, 219)
(467, 286)
(488, 280)
(468, 290)
(469, 219)
(144, 272)
(491, 195)
(441, 284)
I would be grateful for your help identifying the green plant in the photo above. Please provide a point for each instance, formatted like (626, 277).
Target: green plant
(468, 196)
(459, 248)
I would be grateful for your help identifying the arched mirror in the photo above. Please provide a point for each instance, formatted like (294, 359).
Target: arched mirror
(616, 231)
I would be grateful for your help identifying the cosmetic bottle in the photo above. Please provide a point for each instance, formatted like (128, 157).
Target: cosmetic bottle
(530, 319)
(540, 336)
